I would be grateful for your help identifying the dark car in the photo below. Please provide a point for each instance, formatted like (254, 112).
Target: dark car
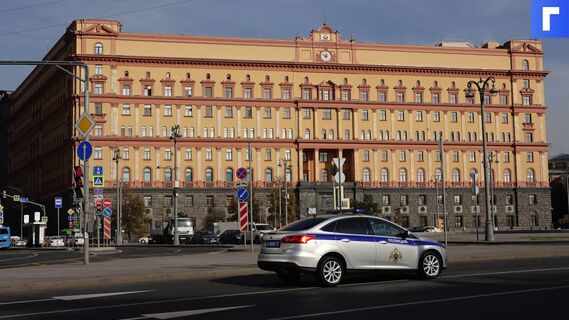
(418, 229)
(231, 237)
(204, 237)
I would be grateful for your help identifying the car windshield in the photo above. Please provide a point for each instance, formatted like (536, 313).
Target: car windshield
(264, 227)
(3, 231)
(303, 224)
(184, 223)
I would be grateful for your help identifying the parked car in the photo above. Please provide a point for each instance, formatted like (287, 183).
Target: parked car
(204, 237)
(76, 240)
(231, 237)
(144, 240)
(432, 229)
(16, 241)
(418, 229)
(56, 241)
(258, 230)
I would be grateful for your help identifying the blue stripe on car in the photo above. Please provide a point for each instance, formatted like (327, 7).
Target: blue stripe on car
(367, 238)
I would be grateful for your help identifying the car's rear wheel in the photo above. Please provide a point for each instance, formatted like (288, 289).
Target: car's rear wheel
(289, 276)
(143, 241)
(430, 265)
(330, 271)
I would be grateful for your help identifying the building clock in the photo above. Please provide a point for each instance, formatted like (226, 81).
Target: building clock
(325, 56)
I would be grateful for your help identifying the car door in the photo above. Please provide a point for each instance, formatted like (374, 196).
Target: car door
(393, 250)
(353, 236)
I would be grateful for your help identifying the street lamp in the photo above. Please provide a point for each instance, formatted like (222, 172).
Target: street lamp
(116, 158)
(174, 135)
(286, 164)
(482, 86)
(492, 158)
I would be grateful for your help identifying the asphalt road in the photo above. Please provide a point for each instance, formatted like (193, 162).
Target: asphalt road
(28, 257)
(520, 289)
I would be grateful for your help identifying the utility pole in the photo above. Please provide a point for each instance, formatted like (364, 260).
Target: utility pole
(175, 134)
(441, 150)
(250, 194)
(116, 158)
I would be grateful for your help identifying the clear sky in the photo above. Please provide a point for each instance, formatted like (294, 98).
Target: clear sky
(28, 28)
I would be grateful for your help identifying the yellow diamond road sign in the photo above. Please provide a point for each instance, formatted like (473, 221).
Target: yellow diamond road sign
(70, 211)
(85, 124)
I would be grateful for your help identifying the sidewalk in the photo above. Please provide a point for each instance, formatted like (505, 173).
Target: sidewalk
(237, 261)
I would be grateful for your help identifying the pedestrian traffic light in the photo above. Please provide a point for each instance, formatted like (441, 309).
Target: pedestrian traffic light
(99, 203)
(78, 182)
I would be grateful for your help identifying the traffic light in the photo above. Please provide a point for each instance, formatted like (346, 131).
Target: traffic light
(4, 194)
(99, 203)
(78, 182)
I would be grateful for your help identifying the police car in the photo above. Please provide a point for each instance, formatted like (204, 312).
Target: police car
(328, 246)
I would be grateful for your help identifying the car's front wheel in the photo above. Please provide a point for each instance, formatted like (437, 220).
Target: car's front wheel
(142, 241)
(330, 271)
(430, 265)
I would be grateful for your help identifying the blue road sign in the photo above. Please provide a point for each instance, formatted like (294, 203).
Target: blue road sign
(69, 218)
(58, 202)
(97, 171)
(243, 194)
(98, 181)
(99, 191)
(107, 212)
(24, 200)
(241, 173)
(84, 150)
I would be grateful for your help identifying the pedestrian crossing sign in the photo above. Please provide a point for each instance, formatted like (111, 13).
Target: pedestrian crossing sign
(98, 181)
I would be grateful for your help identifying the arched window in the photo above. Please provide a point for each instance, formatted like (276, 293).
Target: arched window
(366, 175)
(268, 175)
(451, 136)
(324, 175)
(347, 135)
(417, 137)
(455, 175)
(125, 174)
(362, 134)
(168, 175)
(212, 132)
(331, 134)
(283, 133)
(185, 132)
(264, 133)
(245, 131)
(469, 136)
(420, 175)
(164, 131)
(380, 135)
(225, 132)
(402, 175)
(205, 132)
(144, 131)
(323, 134)
(232, 133)
(507, 176)
(288, 175)
(438, 174)
(458, 136)
(525, 65)
(147, 175)
(192, 132)
(368, 135)
(229, 175)
(252, 133)
(386, 136)
(530, 177)
(290, 133)
(398, 135)
(306, 133)
(404, 135)
(189, 175)
(98, 48)
(209, 175)
(384, 175)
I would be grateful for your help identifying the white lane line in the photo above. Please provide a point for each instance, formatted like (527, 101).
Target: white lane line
(21, 258)
(23, 301)
(187, 313)
(404, 304)
(503, 272)
(257, 293)
(97, 295)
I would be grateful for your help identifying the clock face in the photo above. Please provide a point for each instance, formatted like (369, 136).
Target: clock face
(325, 37)
(325, 56)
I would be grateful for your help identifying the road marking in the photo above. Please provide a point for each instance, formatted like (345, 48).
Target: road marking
(96, 295)
(24, 301)
(186, 313)
(254, 293)
(503, 272)
(21, 258)
(404, 304)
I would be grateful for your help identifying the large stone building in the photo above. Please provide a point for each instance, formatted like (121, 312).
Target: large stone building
(306, 100)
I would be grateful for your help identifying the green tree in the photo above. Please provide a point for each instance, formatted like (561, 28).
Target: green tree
(368, 205)
(273, 201)
(233, 211)
(134, 222)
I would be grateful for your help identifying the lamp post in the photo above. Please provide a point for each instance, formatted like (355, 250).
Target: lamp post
(174, 135)
(492, 158)
(482, 86)
(286, 164)
(436, 220)
(116, 158)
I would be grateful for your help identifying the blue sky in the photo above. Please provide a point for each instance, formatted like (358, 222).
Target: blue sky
(28, 28)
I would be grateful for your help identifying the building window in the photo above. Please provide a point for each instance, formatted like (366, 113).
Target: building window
(188, 154)
(382, 96)
(98, 88)
(453, 117)
(419, 116)
(529, 157)
(400, 97)
(248, 93)
(528, 137)
(98, 130)
(385, 200)
(420, 156)
(402, 175)
(98, 69)
(346, 114)
(382, 115)
(401, 115)
(326, 114)
(506, 157)
(404, 200)
(526, 100)
(189, 175)
(167, 154)
(208, 112)
(421, 175)
(147, 90)
(323, 156)
(209, 202)
(98, 48)
(455, 156)
(324, 175)
(455, 175)
(530, 176)
(268, 175)
(365, 156)
(209, 175)
(147, 201)
(208, 91)
(98, 108)
(418, 97)
(364, 96)
(286, 113)
(507, 176)
(436, 116)
(147, 110)
(384, 175)
(453, 98)
(402, 155)
(146, 153)
(188, 91)
(345, 95)
(532, 199)
(436, 98)
(306, 94)
(286, 94)
(365, 114)
(366, 175)
(189, 201)
(167, 91)
(267, 154)
(228, 92)
(267, 94)
(98, 153)
(306, 113)
(248, 112)
(267, 113)
(167, 110)
(384, 155)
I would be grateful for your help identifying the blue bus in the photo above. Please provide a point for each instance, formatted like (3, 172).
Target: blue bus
(4, 237)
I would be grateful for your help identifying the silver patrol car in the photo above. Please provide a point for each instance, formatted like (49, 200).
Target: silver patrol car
(331, 245)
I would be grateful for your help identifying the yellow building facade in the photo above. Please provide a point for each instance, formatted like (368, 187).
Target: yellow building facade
(306, 100)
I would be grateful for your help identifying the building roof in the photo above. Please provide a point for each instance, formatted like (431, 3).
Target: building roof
(560, 157)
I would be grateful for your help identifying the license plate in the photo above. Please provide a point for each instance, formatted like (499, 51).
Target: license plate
(272, 243)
